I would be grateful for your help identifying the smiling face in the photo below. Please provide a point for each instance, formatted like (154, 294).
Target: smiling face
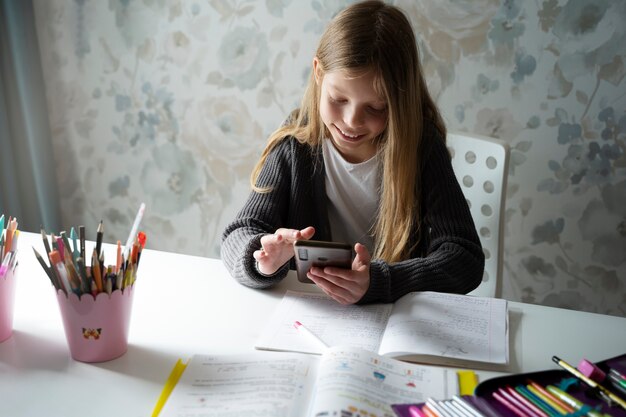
(353, 111)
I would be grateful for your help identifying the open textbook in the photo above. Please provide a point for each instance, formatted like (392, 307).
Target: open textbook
(430, 327)
(341, 382)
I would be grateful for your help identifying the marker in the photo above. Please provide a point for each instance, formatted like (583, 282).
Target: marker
(547, 400)
(521, 402)
(590, 382)
(59, 267)
(578, 405)
(508, 404)
(414, 411)
(300, 327)
(563, 405)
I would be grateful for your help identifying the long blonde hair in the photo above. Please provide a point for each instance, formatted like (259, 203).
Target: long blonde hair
(372, 35)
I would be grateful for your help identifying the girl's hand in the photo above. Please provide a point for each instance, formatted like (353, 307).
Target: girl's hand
(277, 249)
(346, 286)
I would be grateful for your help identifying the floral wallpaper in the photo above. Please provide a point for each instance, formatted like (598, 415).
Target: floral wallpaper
(170, 102)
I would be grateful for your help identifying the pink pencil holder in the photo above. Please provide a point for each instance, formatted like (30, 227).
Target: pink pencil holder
(96, 329)
(7, 301)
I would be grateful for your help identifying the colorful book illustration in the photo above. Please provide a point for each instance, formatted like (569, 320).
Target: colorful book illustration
(341, 382)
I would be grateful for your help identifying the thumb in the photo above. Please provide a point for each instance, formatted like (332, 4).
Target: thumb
(362, 257)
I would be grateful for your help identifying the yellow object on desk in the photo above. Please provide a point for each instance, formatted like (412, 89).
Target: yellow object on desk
(171, 382)
(467, 382)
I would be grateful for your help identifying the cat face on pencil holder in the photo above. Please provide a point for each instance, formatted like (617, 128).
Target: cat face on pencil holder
(96, 327)
(7, 300)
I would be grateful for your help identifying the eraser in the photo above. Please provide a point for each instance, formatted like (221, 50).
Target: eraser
(590, 370)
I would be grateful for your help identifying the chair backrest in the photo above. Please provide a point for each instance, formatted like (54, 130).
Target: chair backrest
(481, 167)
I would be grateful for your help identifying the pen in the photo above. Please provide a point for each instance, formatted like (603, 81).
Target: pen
(588, 381)
(300, 327)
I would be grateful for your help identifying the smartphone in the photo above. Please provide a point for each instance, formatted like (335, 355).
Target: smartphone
(310, 253)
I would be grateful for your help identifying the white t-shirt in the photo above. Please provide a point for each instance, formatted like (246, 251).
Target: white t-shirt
(353, 192)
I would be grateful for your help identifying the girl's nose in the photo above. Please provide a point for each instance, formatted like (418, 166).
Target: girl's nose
(353, 117)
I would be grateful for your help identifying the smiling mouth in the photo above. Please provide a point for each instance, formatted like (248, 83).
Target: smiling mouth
(348, 136)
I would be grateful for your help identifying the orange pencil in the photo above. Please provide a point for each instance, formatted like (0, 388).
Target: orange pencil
(541, 389)
(8, 241)
(118, 263)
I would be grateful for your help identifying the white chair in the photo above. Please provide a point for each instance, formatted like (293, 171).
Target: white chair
(481, 167)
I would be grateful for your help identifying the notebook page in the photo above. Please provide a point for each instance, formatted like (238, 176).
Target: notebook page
(448, 325)
(244, 385)
(335, 324)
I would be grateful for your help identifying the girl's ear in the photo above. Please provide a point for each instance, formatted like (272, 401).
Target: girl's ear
(317, 70)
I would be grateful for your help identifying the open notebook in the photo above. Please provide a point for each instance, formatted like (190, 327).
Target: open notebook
(429, 327)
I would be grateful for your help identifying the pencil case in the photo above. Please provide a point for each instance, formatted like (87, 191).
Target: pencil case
(486, 403)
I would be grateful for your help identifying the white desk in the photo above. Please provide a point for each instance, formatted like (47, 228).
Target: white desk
(185, 305)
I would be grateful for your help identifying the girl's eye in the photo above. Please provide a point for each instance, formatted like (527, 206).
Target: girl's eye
(337, 100)
(377, 111)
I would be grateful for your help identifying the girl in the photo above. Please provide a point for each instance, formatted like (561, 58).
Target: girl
(363, 160)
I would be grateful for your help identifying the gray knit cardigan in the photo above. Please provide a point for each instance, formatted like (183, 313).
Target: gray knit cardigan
(447, 258)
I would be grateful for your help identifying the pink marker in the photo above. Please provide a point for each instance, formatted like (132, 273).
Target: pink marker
(300, 327)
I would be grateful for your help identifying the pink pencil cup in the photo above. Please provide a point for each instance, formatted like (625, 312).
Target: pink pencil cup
(7, 302)
(96, 329)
